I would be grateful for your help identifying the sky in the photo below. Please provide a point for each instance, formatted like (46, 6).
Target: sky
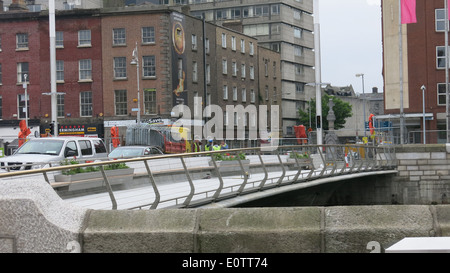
(350, 43)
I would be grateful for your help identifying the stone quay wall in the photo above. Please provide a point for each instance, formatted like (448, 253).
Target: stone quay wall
(35, 219)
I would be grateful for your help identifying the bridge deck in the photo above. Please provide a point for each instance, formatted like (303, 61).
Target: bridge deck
(174, 194)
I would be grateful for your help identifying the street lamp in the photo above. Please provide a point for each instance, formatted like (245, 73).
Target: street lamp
(135, 61)
(423, 107)
(364, 102)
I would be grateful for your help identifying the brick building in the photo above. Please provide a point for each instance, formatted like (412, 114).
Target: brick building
(423, 57)
(98, 80)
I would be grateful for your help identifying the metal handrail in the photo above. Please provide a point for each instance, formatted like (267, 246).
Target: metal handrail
(331, 160)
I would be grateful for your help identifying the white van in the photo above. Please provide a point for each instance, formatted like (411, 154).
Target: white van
(39, 153)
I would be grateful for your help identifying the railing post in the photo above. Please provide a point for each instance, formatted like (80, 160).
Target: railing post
(46, 177)
(108, 188)
(298, 167)
(153, 183)
(191, 184)
(244, 183)
(217, 193)
(282, 167)
(266, 174)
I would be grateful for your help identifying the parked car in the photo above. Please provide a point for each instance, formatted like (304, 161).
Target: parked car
(134, 151)
(38, 153)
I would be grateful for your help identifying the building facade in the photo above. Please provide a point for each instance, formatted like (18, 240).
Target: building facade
(423, 62)
(112, 64)
(284, 26)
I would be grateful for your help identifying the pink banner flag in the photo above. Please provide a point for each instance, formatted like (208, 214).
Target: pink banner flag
(408, 11)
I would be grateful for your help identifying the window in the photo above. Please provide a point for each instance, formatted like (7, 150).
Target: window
(299, 69)
(235, 93)
(119, 36)
(60, 71)
(266, 91)
(255, 30)
(275, 9)
(194, 42)
(233, 43)
(244, 95)
(252, 49)
(59, 39)
(84, 38)
(242, 46)
(298, 51)
(297, 32)
(274, 70)
(150, 101)
(148, 35)
(120, 67)
(22, 70)
(297, 15)
(252, 72)
(85, 147)
(22, 41)
(299, 87)
(233, 69)
(224, 66)
(21, 105)
(224, 40)
(86, 104)
(99, 146)
(242, 70)
(194, 72)
(207, 46)
(440, 57)
(60, 105)
(225, 92)
(85, 70)
(149, 66)
(235, 13)
(440, 19)
(289, 130)
(441, 95)
(71, 146)
(252, 96)
(208, 74)
(120, 101)
(225, 118)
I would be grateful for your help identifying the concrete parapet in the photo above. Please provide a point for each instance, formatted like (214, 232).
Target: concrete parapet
(35, 219)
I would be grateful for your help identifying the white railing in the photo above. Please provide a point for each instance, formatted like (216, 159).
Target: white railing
(251, 170)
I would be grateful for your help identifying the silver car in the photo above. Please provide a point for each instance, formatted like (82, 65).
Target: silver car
(38, 153)
(134, 151)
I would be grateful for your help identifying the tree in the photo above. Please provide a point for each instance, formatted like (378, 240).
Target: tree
(342, 111)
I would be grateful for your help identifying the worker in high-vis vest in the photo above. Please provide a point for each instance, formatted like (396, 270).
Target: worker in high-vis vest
(216, 147)
(197, 146)
(209, 145)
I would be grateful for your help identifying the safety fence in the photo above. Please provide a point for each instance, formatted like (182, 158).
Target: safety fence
(206, 177)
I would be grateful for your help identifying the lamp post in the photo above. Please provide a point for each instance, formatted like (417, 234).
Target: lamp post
(25, 86)
(423, 107)
(135, 61)
(364, 102)
(318, 74)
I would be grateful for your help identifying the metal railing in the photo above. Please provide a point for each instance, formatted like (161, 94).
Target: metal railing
(250, 169)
